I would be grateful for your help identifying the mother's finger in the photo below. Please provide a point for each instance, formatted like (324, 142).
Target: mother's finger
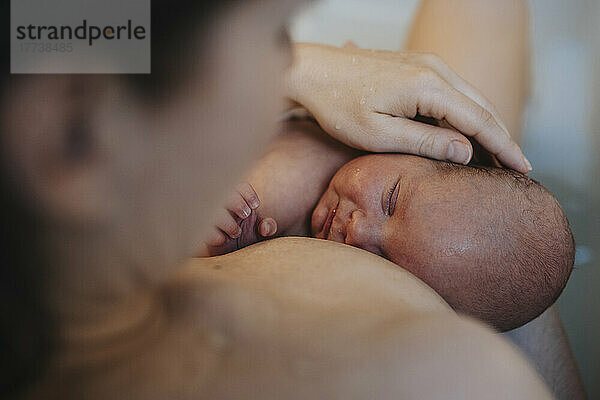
(473, 120)
(435, 62)
(396, 134)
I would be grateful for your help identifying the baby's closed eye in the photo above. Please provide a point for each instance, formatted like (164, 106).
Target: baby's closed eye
(390, 199)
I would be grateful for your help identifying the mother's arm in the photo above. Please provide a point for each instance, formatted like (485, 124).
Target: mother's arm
(486, 43)
(545, 343)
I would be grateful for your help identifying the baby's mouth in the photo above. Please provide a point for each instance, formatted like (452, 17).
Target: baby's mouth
(325, 232)
(326, 225)
(337, 228)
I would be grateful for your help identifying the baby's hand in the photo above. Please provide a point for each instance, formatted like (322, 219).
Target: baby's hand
(239, 224)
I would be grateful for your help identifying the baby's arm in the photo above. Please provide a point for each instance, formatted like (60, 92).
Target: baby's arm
(293, 174)
(287, 182)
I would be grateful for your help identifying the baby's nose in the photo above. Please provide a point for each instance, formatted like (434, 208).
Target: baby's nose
(362, 232)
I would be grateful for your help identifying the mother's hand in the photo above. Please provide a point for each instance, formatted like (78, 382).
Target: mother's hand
(369, 100)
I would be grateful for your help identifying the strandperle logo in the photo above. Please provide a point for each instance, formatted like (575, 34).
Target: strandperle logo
(80, 36)
(85, 31)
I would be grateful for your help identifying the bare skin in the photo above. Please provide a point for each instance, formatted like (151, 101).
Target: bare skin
(463, 40)
(120, 219)
(479, 40)
(383, 118)
(546, 344)
(406, 209)
(220, 314)
(288, 181)
(322, 306)
(217, 317)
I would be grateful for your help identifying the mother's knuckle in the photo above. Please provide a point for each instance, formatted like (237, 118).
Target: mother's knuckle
(425, 144)
(486, 118)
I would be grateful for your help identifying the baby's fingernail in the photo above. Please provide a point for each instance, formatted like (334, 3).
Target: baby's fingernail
(268, 229)
(527, 164)
(458, 152)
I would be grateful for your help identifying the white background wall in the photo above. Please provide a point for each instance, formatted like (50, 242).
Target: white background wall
(561, 133)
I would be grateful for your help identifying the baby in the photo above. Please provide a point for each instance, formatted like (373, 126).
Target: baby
(493, 243)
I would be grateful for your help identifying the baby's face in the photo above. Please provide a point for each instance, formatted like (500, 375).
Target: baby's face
(400, 207)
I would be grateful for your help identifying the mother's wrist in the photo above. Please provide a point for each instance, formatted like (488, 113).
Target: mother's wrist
(303, 75)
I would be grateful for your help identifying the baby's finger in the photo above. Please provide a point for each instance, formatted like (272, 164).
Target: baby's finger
(248, 193)
(228, 224)
(267, 227)
(239, 207)
(215, 238)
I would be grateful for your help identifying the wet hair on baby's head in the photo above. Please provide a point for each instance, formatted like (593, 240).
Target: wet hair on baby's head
(525, 250)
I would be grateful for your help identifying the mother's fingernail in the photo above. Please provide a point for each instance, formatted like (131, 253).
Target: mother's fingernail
(458, 152)
(527, 164)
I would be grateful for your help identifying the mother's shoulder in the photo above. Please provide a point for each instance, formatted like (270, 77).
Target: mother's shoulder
(317, 271)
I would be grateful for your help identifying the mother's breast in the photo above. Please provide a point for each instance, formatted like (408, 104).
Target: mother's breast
(321, 275)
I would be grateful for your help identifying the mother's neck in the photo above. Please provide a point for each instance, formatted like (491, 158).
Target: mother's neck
(99, 299)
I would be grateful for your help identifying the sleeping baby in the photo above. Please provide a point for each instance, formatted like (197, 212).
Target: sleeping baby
(492, 242)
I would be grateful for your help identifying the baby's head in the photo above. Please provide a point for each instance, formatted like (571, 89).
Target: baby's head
(493, 243)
